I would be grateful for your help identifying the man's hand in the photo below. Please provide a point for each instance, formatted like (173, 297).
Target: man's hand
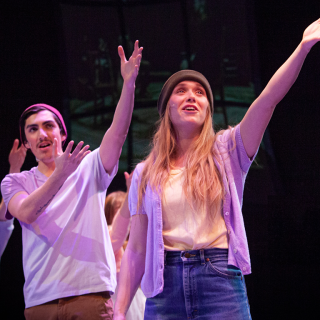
(17, 157)
(66, 162)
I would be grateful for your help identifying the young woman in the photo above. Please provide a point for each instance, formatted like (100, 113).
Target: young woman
(188, 246)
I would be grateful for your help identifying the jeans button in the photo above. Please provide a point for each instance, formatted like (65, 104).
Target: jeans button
(187, 255)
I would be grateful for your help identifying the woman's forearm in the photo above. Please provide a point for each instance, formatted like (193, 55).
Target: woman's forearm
(132, 270)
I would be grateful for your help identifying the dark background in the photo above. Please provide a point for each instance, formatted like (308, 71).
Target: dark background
(282, 224)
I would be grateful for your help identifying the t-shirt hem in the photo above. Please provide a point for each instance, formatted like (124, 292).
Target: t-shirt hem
(69, 294)
(152, 294)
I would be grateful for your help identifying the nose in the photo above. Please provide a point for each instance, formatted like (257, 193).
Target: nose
(191, 97)
(42, 133)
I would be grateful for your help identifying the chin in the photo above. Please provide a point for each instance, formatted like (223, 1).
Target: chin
(44, 159)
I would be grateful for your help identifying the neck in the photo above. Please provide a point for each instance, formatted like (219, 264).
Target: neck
(46, 168)
(185, 139)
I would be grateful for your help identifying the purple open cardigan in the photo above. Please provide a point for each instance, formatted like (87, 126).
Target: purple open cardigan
(236, 164)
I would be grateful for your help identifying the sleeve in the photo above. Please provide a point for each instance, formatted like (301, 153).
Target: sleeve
(133, 192)
(244, 160)
(119, 231)
(6, 228)
(11, 185)
(93, 161)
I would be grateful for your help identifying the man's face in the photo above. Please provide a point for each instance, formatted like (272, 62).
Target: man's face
(40, 129)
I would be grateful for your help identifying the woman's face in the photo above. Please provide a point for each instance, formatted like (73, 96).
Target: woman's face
(188, 105)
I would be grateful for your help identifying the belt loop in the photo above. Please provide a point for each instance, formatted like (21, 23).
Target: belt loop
(202, 256)
(165, 257)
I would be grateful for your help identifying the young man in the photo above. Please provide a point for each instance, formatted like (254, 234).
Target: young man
(69, 264)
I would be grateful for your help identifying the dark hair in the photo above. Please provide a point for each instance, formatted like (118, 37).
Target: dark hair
(29, 112)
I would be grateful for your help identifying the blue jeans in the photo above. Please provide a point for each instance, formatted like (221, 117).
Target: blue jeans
(199, 284)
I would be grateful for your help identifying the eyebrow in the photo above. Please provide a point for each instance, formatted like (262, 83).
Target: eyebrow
(180, 85)
(31, 125)
(197, 85)
(36, 125)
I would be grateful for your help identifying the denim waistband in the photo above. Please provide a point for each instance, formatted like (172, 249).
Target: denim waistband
(196, 255)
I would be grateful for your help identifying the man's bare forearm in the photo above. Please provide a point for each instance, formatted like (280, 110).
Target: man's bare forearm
(27, 208)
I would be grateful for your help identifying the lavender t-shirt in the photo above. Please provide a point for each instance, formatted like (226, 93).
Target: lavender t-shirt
(67, 251)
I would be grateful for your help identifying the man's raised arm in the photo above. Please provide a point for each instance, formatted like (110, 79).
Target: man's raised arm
(114, 138)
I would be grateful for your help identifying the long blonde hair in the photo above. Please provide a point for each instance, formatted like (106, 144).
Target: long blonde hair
(202, 181)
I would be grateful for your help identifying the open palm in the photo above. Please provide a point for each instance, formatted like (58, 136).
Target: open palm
(130, 68)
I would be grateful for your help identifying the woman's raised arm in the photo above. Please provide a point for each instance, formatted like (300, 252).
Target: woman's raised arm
(255, 121)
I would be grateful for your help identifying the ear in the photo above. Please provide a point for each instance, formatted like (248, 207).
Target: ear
(27, 144)
(63, 137)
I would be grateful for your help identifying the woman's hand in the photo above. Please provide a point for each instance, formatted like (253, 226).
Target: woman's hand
(130, 68)
(311, 35)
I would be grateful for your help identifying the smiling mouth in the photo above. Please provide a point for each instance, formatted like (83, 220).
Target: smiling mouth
(190, 108)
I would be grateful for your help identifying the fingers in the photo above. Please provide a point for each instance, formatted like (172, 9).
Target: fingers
(83, 153)
(79, 153)
(136, 45)
(137, 50)
(128, 178)
(76, 150)
(121, 54)
(22, 150)
(126, 175)
(138, 61)
(54, 148)
(15, 145)
(68, 148)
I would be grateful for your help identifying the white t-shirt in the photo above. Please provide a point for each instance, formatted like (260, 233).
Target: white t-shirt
(67, 251)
